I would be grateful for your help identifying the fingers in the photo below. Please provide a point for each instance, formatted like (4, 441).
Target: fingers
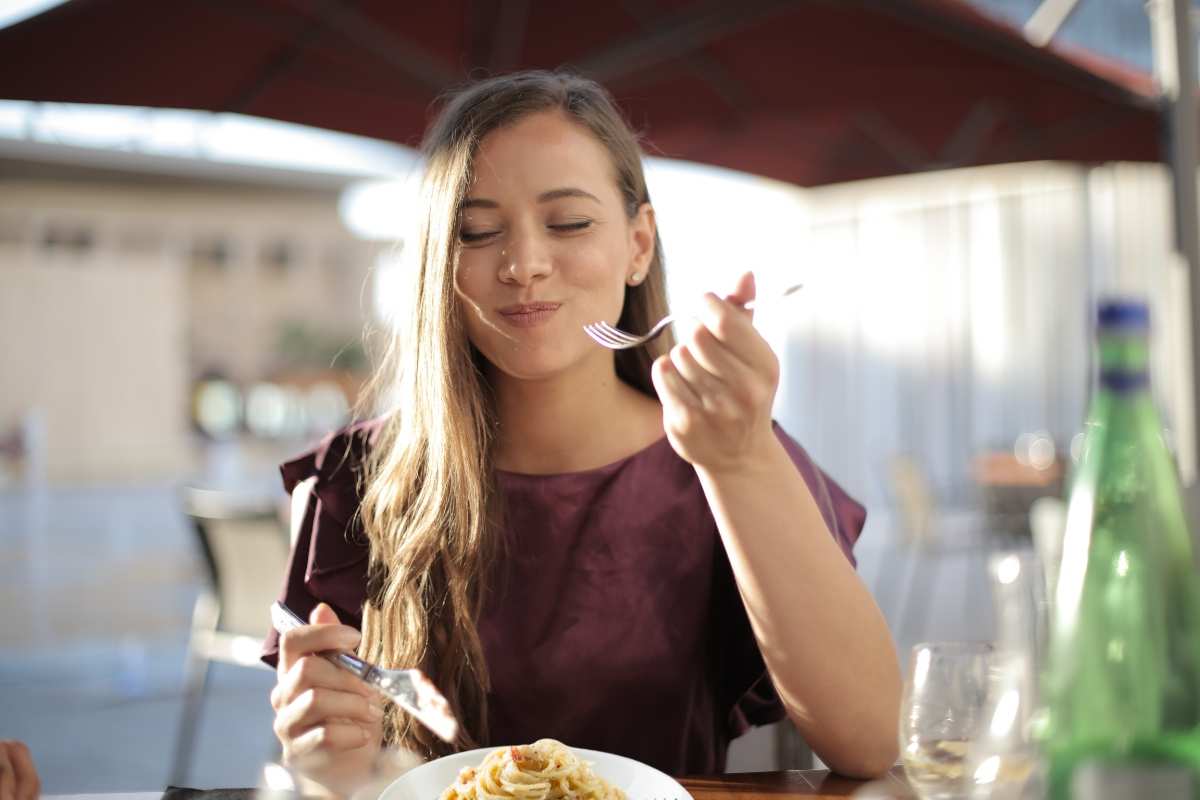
(323, 615)
(315, 638)
(315, 672)
(732, 327)
(316, 747)
(322, 707)
(18, 776)
(707, 353)
(673, 390)
(718, 384)
(28, 784)
(710, 390)
(744, 291)
(8, 777)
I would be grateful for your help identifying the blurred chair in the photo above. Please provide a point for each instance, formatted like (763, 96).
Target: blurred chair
(914, 500)
(23, 450)
(244, 545)
(12, 456)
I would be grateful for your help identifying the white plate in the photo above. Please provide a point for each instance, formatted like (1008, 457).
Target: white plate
(637, 780)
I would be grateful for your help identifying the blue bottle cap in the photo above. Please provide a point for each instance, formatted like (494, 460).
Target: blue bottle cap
(1123, 314)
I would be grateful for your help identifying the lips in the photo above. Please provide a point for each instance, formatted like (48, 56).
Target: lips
(528, 315)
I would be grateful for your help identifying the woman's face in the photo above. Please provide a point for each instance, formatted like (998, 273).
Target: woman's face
(546, 247)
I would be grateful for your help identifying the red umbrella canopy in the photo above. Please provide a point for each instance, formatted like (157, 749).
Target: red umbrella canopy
(806, 91)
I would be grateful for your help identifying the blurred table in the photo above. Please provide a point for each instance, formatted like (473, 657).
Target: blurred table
(1009, 487)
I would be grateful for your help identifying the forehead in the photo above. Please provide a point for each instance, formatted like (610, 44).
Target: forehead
(541, 151)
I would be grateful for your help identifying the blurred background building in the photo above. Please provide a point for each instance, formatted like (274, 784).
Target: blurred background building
(182, 304)
(143, 305)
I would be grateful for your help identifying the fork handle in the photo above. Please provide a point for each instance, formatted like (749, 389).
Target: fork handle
(285, 619)
(750, 306)
(349, 661)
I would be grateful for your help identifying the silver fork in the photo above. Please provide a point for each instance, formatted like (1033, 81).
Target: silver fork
(616, 339)
(408, 688)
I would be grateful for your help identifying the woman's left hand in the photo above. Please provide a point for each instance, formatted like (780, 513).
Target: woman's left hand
(717, 386)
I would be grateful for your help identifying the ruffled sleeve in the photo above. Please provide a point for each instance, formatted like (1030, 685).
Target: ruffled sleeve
(328, 562)
(844, 516)
(745, 686)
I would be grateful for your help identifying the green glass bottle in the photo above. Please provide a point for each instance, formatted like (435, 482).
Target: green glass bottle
(1122, 679)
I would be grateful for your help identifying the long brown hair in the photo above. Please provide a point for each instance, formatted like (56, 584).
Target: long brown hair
(429, 506)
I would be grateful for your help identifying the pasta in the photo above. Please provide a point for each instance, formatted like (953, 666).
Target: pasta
(544, 770)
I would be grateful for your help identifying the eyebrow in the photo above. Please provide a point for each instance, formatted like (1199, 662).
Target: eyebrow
(544, 197)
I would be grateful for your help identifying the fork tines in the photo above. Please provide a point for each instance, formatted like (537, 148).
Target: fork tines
(607, 335)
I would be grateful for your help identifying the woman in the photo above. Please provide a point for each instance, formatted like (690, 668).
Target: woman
(621, 551)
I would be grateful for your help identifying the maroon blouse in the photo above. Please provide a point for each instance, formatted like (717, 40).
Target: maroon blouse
(615, 622)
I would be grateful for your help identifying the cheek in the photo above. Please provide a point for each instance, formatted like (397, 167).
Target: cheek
(471, 297)
(468, 278)
(473, 319)
(596, 264)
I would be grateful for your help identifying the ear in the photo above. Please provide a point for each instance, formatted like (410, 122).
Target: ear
(642, 234)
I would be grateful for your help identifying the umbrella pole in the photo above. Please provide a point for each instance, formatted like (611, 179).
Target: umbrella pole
(1173, 38)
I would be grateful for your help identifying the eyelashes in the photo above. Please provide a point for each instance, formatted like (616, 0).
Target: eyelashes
(570, 227)
(474, 237)
(479, 237)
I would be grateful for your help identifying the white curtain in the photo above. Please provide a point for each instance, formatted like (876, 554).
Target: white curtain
(946, 314)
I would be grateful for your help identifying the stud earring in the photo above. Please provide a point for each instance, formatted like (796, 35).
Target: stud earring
(636, 278)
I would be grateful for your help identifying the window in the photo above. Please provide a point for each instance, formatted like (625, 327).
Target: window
(70, 238)
(278, 258)
(211, 254)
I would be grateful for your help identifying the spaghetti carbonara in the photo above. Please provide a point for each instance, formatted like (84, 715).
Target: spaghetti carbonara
(544, 770)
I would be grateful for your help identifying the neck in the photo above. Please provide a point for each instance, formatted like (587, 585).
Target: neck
(571, 422)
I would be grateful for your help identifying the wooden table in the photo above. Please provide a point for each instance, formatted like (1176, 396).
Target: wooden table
(1008, 489)
(812, 784)
(809, 783)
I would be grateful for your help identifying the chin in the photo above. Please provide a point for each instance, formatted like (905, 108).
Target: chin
(530, 370)
(533, 366)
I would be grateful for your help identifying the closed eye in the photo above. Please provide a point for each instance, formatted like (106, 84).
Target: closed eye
(475, 237)
(571, 227)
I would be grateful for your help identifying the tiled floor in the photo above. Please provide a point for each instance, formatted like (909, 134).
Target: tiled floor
(96, 591)
(97, 585)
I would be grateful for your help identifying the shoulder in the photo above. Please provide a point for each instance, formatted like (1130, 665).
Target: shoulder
(330, 547)
(328, 562)
(333, 473)
(337, 461)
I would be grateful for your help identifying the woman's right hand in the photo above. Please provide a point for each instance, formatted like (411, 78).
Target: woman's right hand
(329, 722)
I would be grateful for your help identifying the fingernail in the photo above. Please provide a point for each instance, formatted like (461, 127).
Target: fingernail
(375, 711)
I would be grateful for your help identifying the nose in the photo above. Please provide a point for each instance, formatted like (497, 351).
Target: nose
(525, 259)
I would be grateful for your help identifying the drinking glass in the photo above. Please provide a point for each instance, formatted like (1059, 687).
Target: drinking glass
(1005, 761)
(280, 781)
(943, 711)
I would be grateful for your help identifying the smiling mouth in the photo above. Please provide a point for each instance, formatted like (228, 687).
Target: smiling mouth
(528, 315)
